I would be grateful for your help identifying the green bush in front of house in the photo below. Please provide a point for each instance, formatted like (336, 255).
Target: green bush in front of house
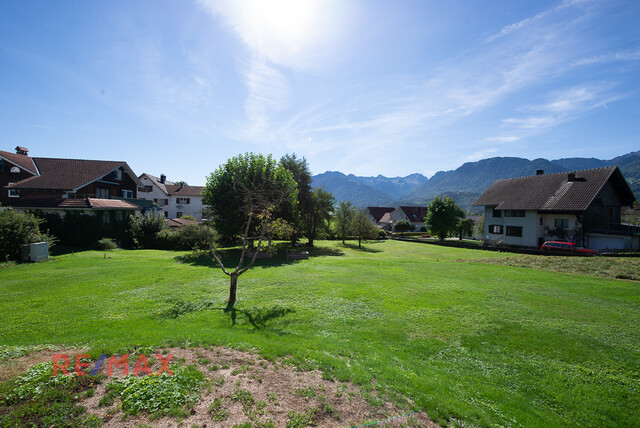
(18, 229)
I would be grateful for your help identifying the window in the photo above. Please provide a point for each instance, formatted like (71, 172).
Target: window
(179, 214)
(541, 221)
(13, 193)
(496, 229)
(514, 213)
(166, 214)
(161, 202)
(102, 193)
(117, 174)
(514, 231)
(15, 169)
(127, 194)
(185, 201)
(562, 222)
(497, 213)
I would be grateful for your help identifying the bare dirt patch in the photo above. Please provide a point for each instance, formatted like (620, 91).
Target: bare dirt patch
(244, 388)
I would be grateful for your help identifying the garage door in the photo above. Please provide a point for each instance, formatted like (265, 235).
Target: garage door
(600, 242)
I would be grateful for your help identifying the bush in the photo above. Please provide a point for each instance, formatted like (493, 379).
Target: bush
(18, 229)
(382, 234)
(402, 226)
(187, 237)
(106, 244)
(145, 227)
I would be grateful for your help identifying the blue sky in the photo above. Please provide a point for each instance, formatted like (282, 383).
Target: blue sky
(360, 86)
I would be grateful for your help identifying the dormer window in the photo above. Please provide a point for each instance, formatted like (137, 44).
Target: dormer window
(15, 169)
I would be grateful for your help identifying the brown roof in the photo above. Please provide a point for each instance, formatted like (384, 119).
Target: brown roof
(67, 174)
(555, 192)
(176, 190)
(70, 203)
(179, 222)
(415, 214)
(111, 203)
(23, 161)
(378, 212)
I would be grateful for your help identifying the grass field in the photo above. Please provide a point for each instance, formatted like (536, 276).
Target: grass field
(469, 341)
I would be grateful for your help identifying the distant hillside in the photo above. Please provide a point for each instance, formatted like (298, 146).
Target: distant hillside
(348, 189)
(463, 184)
(396, 187)
(629, 165)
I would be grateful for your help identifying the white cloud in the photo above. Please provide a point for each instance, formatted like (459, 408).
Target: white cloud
(628, 55)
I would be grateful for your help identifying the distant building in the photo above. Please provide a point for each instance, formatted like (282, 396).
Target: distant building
(375, 213)
(414, 215)
(580, 206)
(175, 200)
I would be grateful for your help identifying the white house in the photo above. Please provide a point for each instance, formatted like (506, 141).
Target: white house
(414, 215)
(579, 206)
(175, 200)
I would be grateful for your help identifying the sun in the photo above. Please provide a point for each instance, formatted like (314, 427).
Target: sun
(292, 24)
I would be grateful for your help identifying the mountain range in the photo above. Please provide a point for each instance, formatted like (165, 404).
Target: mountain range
(463, 184)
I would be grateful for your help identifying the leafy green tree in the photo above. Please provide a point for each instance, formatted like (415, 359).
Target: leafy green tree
(465, 227)
(301, 173)
(343, 217)
(246, 195)
(145, 227)
(402, 226)
(245, 181)
(442, 216)
(18, 229)
(316, 219)
(362, 227)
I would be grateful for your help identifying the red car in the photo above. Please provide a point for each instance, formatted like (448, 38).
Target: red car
(566, 247)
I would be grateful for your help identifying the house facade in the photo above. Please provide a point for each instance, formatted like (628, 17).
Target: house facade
(60, 185)
(579, 206)
(414, 215)
(376, 213)
(175, 200)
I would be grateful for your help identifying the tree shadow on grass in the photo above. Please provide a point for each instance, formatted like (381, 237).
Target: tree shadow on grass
(256, 317)
(231, 257)
(364, 248)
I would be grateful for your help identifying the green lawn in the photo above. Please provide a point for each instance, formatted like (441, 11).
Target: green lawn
(470, 342)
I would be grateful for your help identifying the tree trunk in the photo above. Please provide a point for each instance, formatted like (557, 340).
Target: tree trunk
(359, 241)
(232, 290)
(311, 242)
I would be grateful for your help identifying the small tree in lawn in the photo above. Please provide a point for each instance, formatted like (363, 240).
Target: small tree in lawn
(442, 216)
(254, 189)
(362, 228)
(343, 216)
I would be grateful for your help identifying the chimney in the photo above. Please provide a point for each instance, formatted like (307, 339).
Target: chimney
(163, 178)
(571, 177)
(539, 171)
(22, 151)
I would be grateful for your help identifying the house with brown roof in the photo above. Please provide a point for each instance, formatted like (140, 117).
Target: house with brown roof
(579, 206)
(376, 213)
(175, 200)
(59, 185)
(414, 215)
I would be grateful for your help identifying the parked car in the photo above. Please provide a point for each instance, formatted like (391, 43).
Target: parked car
(566, 247)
